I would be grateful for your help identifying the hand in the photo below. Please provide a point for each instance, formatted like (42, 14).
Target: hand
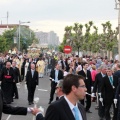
(93, 95)
(101, 99)
(91, 88)
(35, 111)
(115, 101)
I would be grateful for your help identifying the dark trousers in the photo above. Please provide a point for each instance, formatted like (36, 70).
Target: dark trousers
(107, 110)
(31, 91)
(15, 90)
(53, 87)
(101, 110)
(118, 115)
(88, 102)
(7, 88)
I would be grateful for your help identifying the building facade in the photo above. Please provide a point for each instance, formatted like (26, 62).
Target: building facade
(49, 38)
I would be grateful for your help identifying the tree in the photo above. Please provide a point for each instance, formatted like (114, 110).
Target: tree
(26, 38)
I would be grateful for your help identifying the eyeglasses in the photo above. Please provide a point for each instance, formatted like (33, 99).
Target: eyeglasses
(82, 86)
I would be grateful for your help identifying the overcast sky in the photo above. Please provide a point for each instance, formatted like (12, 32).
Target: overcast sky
(46, 15)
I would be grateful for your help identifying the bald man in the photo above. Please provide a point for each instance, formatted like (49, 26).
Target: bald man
(31, 81)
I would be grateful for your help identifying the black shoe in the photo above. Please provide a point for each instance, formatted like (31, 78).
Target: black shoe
(15, 98)
(30, 103)
(101, 118)
(49, 102)
(88, 111)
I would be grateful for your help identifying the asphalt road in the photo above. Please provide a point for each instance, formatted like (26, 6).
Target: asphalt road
(42, 91)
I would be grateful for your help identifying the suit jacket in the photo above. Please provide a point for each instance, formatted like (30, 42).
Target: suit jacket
(17, 75)
(88, 82)
(107, 90)
(60, 110)
(31, 80)
(7, 109)
(60, 74)
(98, 82)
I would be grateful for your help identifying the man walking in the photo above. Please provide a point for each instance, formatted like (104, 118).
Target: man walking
(55, 76)
(31, 81)
(88, 82)
(17, 80)
(7, 78)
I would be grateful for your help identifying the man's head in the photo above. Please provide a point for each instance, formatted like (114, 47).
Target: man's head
(103, 69)
(85, 65)
(13, 64)
(109, 71)
(57, 66)
(8, 64)
(59, 88)
(32, 66)
(74, 86)
(118, 66)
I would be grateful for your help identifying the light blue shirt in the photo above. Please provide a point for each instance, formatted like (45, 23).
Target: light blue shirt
(72, 108)
(56, 75)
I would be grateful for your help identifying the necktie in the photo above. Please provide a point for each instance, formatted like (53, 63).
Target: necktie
(111, 80)
(76, 111)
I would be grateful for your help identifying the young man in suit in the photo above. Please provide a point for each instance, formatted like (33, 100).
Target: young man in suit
(68, 108)
(88, 82)
(55, 76)
(108, 89)
(31, 81)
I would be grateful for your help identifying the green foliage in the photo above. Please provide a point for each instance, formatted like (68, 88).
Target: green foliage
(26, 38)
(88, 41)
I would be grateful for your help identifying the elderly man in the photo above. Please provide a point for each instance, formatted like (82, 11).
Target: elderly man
(31, 81)
(60, 94)
(7, 77)
(108, 89)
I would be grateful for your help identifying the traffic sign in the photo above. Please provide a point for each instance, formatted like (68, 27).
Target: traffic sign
(67, 49)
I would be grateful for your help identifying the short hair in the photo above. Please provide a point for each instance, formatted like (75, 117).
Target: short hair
(118, 65)
(109, 68)
(84, 63)
(69, 81)
(103, 67)
(60, 84)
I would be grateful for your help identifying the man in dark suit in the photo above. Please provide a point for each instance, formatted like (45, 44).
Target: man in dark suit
(88, 82)
(17, 80)
(68, 108)
(55, 76)
(7, 77)
(31, 81)
(7, 109)
(108, 89)
(117, 73)
(97, 88)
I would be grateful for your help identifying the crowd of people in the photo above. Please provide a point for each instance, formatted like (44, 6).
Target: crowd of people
(84, 79)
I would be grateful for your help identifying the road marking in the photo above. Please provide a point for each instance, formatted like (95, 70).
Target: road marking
(8, 117)
(42, 90)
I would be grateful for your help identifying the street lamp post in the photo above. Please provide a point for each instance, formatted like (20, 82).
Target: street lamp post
(19, 32)
(117, 7)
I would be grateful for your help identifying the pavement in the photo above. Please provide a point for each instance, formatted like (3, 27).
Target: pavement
(42, 91)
